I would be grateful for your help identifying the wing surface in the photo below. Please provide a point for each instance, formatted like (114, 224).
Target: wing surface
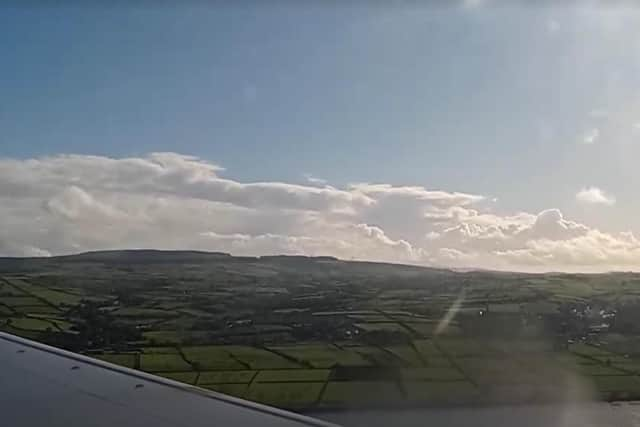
(45, 386)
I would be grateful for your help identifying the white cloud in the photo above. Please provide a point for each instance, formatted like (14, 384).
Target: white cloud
(64, 204)
(594, 195)
(315, 180)
(591, 136)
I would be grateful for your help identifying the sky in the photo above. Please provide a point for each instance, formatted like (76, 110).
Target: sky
(474, 134)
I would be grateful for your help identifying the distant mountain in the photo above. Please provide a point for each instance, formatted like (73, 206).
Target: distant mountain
(143, 256)
(279, 263)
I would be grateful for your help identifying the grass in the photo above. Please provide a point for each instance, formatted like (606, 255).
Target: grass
(369, 318)
(127, 360)
(428, 329)
(496, 371)
(346, 392)
(323, 355)
(438, 362)
(56, 298)
(38, 309)
(504, 308)
(292, 375)
(160, 350)
(371, 374)
(427, 348)
(237, 390)
(570, 359)
(453, 391)
(597, 369)
(464, 347)
(410, 318)
(407, 354)
(589, 350)
(225, 377)
(631, 366)
(211, 358)
(32, 335)
(380, 326)
(520, 346)
(377, 356)
(163, 337)
(194, 312)
(62, 325)
(8, 290)
(258, 358)
(163, 362)
(290, 395)
(31, 324)
(183, 377)
(615, 359)
(431, 374)
(142, 312)
(616, 383)
(20, 301)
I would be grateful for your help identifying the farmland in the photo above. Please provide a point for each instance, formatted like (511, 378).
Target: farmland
(319, 333)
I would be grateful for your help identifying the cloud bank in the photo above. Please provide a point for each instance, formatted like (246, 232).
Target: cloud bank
(71, 203)
(594, 196)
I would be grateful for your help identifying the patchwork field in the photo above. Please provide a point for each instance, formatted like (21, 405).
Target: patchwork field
(306, 333)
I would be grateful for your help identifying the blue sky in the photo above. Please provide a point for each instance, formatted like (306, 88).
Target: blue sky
(484, 100)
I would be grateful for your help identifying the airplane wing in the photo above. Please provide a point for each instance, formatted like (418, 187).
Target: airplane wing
(45, 386)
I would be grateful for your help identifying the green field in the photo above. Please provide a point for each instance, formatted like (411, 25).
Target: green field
(183, 377)
(226, 377)
(464, 347)
(164, 337)
(321, 333)
(160, 350)
(8, 289)
(236, 390)
(38, 309)
(212, 358)
(292, 375)
(31, 324)
(617, 383)
(408, 355)
(589, 350)
(21, 301)
(361, 392)
(143, 312)
(379, 326)
(427, 348)
(322, 355)
(597, 369)
(163, 362)
(286, 394)
(377, 356)
(257, 358)
(55, 297)
(127, 360)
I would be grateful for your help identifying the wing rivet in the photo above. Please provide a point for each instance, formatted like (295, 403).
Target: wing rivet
(139, 385)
